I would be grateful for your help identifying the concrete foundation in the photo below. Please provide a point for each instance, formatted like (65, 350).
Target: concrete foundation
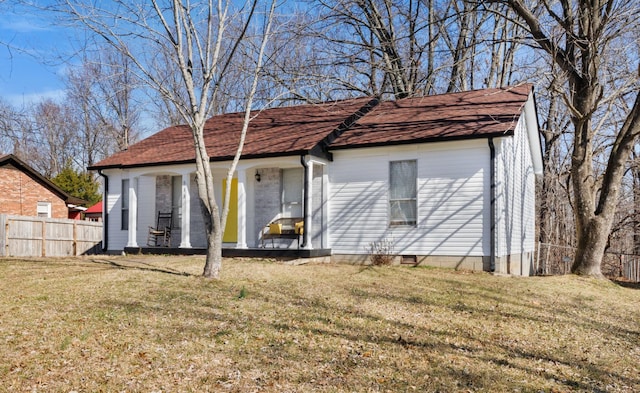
(517, 265)
(460, 263)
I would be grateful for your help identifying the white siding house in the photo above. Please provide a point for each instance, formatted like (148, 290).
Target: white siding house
(452, 202)
(447, 180)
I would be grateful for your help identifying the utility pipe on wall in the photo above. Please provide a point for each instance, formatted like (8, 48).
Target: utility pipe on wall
(492, 208)
(105, 212)
(305, 233)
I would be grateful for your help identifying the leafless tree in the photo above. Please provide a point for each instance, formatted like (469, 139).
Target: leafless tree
(92, 131)
(353, 47)
(103, 91)
(587, 40)
(394, 48)
(197, 39)
(498, 45)
(12, 122)
(117, 88)
(52, 141)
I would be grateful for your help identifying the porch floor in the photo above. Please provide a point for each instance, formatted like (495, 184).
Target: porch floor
(284, 253)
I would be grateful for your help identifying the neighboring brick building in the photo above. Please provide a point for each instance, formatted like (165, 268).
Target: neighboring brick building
(25, 192)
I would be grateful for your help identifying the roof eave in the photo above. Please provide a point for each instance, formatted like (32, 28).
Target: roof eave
(139, 165)
(315, 151)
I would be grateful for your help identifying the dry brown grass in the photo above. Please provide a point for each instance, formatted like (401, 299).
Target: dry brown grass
(112, 324)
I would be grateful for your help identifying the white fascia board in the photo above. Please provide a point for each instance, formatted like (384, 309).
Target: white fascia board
(533, 134)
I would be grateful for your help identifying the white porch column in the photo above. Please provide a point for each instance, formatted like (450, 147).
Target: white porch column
(308, 200)
(133, 213)
(242, 209)
(185, 223)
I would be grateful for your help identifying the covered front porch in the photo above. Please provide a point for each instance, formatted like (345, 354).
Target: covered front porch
(262, 191)
(276, 253)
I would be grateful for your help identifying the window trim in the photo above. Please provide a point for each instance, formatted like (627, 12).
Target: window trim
(283, 193)
(47, 206)
(176, 203)
(124, 205)
(414, 199)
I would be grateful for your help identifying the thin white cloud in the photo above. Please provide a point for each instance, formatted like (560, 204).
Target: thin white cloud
(22, 26)
(24, 23)
(22, 100)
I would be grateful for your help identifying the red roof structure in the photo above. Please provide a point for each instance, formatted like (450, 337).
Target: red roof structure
(95, 209)
(94, 213)
(318, 128)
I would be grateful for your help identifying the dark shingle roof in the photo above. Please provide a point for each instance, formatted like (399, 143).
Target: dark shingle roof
(338, 125)
(274, 132)
(466, 115)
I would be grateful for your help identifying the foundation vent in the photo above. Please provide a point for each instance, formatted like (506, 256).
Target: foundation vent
(409, 260)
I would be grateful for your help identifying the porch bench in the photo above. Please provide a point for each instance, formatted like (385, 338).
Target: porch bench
(283, 228)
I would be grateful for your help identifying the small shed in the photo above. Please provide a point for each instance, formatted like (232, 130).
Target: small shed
(94, 213)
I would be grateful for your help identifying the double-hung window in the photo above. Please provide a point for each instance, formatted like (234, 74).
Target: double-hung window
(125, 205)
(403, 192)
(292, 192)
(176, 201)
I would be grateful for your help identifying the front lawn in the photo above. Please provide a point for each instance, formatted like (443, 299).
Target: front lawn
(151, 324)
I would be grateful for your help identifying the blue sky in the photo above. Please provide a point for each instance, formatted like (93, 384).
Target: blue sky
(31, 50)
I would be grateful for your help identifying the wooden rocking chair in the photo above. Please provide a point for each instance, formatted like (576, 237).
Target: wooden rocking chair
(161, 234)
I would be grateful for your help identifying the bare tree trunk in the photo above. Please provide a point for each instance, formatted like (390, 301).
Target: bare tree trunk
(635, 171)
(552, 130)
(458, 67)
(431, 48)
(209, 207)
(587, 32)
(198, 45)
(396, 72)
(591, 243)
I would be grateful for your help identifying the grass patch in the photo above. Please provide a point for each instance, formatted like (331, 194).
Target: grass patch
(152, 324)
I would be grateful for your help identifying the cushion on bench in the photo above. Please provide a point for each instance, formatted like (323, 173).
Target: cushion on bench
(275, 228)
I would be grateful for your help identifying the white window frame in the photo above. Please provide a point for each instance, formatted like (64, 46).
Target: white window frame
(291, 201)
(176, 202)
(124, 206)
(410, 200)
(44, 208)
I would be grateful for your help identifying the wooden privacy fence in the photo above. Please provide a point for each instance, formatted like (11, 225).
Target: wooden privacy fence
(22, 236)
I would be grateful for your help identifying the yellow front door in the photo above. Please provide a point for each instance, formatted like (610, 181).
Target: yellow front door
(231, 230)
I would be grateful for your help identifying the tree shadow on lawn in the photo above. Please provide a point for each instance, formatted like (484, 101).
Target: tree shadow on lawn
(138, 265)
(430, 343)
(309, 315)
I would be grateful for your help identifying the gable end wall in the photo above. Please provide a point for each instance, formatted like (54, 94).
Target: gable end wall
(20, 194)
(515, 215)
